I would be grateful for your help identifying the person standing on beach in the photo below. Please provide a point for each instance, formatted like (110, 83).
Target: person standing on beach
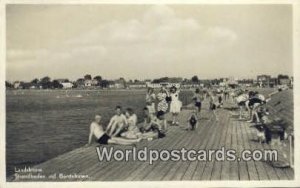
(175, 105)
(150, 100)
(117, 123)
(162, 102)
(96, 129)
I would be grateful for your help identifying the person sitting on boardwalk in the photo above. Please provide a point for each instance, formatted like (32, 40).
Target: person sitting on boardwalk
(198, 97)
(175, 105)
(132, 129)
(117, 123)
(96, 129)
(155, 127)
(148, 130)
(254, 102)
(159, 124)
(213, 104)
(162, 102)
(192, 121)
(150, 100)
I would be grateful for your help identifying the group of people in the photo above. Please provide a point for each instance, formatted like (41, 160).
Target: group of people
(163, 101)
(258, 113)
(251, 101)
(123, 129)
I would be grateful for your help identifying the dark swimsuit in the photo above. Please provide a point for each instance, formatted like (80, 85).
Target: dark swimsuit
(104, 139)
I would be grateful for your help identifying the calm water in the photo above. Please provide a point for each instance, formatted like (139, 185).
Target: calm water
(43, 124)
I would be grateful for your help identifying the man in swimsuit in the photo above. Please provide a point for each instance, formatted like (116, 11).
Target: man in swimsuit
(96, 129)
(117, 123)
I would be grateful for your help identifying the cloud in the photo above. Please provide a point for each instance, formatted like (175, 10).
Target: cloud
(158, 37)
(22, 54)
(159, 26)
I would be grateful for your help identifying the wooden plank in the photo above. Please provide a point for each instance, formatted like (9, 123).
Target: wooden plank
(217, 169)
(172, 141)
(243, 168)
(234, 169)
(253, 174)
(201, 164)
(143, 171)
(176, 167)
(226, 164)
(262, 174)
(281, 175)
(196, 142)
(193, 165)
(210, 138)
(133, 165)
(269, 170)
(184, 167)
(208, 171)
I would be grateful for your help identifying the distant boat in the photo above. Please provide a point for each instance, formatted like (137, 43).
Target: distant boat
(78, 96)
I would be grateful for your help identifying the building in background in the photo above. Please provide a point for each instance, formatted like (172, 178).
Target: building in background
(263, 80)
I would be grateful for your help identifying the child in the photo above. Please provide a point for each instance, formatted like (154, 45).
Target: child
(175, 105)
(150, 100)
(192, 121)
(198, 99)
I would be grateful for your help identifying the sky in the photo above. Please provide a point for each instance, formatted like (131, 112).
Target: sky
(148, 41)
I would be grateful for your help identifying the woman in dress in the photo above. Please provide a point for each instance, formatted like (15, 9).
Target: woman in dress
(175, 105)
(150, 100)
(162, 102)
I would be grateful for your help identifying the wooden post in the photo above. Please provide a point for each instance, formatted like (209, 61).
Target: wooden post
(291, 151)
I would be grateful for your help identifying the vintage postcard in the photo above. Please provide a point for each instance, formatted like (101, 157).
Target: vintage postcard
(154, 93)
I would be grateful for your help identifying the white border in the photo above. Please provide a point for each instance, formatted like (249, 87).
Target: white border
(296, 68)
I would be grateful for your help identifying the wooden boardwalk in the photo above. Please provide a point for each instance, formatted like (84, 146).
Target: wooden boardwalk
(228, 132)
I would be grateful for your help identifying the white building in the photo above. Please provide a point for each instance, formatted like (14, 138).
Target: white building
(17, 85)
(67, 85)
(88, 83)
(165, 84)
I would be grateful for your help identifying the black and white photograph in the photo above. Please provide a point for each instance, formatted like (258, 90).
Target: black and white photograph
(144, 92)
